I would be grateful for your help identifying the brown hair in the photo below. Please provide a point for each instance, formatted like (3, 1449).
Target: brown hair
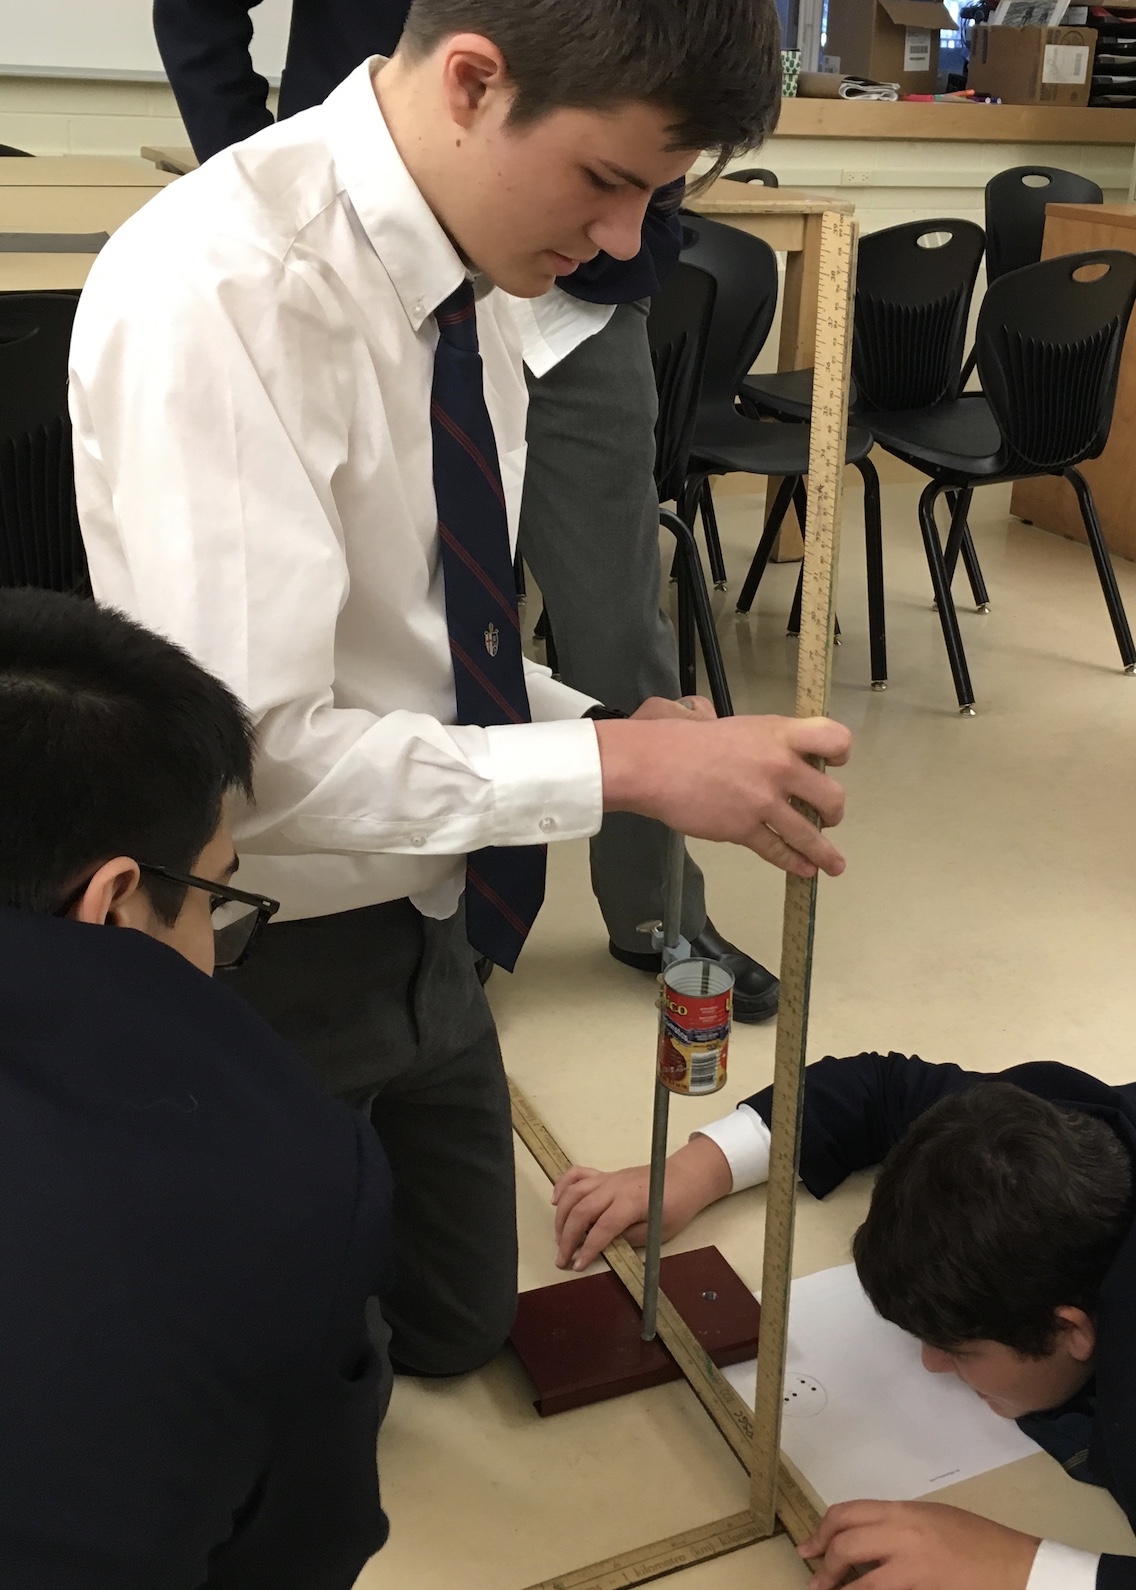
(715, 65)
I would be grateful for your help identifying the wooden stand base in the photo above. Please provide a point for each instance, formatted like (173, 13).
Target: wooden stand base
(580, 1340)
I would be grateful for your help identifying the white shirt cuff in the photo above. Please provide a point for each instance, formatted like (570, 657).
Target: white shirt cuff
(744, 1139)
(547, 781)
(1058, 1567)
(554, 325)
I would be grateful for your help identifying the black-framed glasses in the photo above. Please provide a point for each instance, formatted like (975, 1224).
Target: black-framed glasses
(238, 917)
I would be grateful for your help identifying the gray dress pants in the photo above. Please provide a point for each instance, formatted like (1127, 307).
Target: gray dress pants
(386, 1007)
(590, 534)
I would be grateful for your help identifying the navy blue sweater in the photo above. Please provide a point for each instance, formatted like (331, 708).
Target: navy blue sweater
(189, 1230)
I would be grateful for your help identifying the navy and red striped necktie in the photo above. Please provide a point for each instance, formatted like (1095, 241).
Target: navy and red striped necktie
(504, 885)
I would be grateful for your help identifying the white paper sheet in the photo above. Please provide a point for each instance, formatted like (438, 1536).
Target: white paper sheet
(863, 1418)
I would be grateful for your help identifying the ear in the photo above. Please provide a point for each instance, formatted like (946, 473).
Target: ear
(473, 73)
(113, 896)
(1076, 1333)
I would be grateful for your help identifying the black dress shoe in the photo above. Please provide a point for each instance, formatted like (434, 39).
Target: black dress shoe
(755, 989)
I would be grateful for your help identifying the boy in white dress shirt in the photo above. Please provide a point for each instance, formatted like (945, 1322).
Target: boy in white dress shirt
(255, 381)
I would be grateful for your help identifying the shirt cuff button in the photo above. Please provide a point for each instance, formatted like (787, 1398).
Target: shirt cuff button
(547, 824)
(417, 840)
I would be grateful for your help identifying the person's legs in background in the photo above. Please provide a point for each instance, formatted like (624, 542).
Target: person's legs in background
(590, 534)
(386, 1007)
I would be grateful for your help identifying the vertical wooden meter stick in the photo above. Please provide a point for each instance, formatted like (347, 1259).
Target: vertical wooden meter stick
(776, 1491)
(822, 533)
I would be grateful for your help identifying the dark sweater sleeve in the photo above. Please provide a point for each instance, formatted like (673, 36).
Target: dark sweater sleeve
(857, 1108)
(204, 45)
(605, 280)
(1116, 1573)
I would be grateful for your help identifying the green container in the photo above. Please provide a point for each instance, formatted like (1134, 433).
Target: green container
(790, 72)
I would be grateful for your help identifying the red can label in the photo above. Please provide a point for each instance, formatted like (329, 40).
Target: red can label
(694, 1026)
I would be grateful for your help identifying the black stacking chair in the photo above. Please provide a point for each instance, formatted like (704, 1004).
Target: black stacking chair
(40, 543)
(727, 441)
(1049, 341)
(922, 293)
(1015, 218)
(1015, 212)
(677, 329)
(758, 174)
(914, 285)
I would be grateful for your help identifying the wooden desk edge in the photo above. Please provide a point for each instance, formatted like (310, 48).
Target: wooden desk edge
(174, 161)
(1060, 124)
(735, 198)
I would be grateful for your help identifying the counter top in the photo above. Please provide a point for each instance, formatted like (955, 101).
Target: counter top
(1014, 124)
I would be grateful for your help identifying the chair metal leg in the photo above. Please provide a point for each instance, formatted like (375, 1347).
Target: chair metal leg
(713, 540)
(801, 509)
(765, 545)
(686, 630)
(1105, 572)
(793, 627)
(974, 572)
(874, 557)
(695, 616)
(542, 630)
(959, 504)
(687, 508)
(956, 656)
(801, 505)
(961, 540)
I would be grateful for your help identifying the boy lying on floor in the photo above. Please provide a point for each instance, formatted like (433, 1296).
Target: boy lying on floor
(1000, 1233)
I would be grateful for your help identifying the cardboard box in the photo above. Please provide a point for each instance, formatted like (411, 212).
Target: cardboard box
(894, 41)
(1033, 66)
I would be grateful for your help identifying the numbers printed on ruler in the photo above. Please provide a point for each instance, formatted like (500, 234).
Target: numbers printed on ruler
(822, 533)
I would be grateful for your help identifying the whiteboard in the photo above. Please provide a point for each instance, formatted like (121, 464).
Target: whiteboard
(112, 38)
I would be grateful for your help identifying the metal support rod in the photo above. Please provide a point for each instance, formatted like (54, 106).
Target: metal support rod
(672, 933)
(672, 895)
(653, 1255)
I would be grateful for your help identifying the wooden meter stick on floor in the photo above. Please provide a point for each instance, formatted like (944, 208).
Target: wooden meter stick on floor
(755, 1439)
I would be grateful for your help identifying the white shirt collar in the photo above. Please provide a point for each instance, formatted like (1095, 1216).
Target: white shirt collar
(423, 265)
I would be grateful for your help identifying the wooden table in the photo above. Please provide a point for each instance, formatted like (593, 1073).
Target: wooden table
(178, 161)
(789, 220)
(43, 273)
(66, 193)
(1049, 501)
(74, 193)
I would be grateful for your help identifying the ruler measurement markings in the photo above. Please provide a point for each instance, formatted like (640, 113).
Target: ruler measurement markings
(729, 1411)
(826, 472)
(662, 1557)
(755, 1438)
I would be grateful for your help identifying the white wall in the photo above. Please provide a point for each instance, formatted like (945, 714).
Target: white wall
(86, 116)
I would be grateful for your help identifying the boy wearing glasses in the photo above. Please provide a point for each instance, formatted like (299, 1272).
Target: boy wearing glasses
(189, 1399)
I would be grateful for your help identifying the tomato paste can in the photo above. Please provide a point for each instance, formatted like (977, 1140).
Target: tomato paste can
(694, 1026)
